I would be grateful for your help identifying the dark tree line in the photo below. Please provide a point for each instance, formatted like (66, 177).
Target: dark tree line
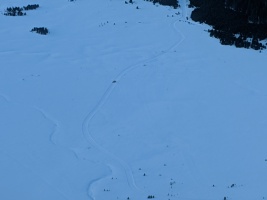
(234, 22)
(18, 11)
(256, 10)
(14, 11)
(241, 41)
(173, 3)
(253, 11)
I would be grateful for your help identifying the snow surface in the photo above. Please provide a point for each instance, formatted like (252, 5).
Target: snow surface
(118, 102)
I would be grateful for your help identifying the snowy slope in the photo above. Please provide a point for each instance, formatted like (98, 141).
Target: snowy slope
(120, 102)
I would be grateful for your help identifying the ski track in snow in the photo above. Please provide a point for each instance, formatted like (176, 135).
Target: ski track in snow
(184, 9)
(187, 157)
(90, 193)
(117, 162)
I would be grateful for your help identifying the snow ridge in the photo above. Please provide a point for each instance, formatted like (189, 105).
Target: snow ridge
(55, 124)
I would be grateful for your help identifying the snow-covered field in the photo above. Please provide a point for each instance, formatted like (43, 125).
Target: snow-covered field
(124, 103)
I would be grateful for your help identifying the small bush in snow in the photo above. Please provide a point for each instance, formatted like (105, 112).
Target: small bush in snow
(40, 30)
(31, 7)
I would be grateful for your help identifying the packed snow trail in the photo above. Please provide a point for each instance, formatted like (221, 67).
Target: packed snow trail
(116, 161)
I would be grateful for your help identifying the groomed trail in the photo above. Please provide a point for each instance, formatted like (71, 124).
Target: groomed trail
(116, 164)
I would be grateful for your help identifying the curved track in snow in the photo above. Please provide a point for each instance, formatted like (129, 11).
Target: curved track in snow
(48, 118)
(20, 161)
(114, 161)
